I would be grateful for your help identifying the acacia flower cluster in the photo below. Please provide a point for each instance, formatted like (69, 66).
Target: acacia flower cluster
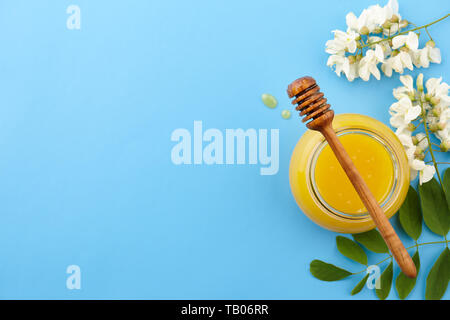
(427, 106)
(379, 36)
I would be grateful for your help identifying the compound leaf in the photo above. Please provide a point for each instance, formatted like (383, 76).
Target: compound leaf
(326, 271)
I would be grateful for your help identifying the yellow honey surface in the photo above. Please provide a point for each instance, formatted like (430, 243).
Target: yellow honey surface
(373, 162)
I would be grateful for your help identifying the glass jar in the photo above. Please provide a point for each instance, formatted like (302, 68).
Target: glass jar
(302, 176)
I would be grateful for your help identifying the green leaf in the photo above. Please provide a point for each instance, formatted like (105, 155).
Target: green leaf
(327, 272)
(437, 280)
(372, 240)
(351, 250)
(360, 285)
(446, 186)
(404, 284)
(434, 207)
(410, 216)
(385, 282)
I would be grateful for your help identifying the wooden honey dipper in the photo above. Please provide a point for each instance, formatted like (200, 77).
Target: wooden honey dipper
(311, 104)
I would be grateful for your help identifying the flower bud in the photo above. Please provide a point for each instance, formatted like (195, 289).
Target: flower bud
(441, 125)
(394, 18)
(428, 97)
(411, 127)
(419, 82)
(418, 154)
(421, 156)
(387, 24)
(364, 31)
(404, 49)
(378, 30)
(415, 141)
(403, 24)
(445, 146)
(434, 127)
(352, 59)
(435, 101)
(394, 53)
(430, 43)
(436, 112)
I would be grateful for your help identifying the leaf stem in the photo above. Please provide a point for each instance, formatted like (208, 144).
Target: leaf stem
(417, 245)
(421, 140)
(407, 31)
(431, 38)
(435, 144)
(375, 264)
(427, 243)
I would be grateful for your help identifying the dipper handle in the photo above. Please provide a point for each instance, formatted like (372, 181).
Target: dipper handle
(381, 221)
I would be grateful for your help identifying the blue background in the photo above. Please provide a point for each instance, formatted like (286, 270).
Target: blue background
(85, 171)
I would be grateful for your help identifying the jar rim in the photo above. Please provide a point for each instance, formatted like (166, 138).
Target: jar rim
(312, 185)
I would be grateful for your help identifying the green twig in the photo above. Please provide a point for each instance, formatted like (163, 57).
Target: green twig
(407, 31)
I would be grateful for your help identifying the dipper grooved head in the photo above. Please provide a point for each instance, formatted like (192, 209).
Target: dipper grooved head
(310, 102)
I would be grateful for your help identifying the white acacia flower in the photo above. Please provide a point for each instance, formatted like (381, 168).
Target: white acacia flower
(423, 57)
(352, 22)
(405, 137)
(387, 67)
(342, 63)
(444, 118)
(353, 71)
(368, 64)
(407, 88)
(442, 122)
(426, 172)
(375, 27)
(391, 9)
(358, 23)
(411, 40)
(419, 82)
(403, 112)
(422, 141)
(435, 103)
(384, 45)
(395, 27)
(438, 90)
(410, 151)
(342, 42)
(375, 17)
(442, 125)
(397, 63)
